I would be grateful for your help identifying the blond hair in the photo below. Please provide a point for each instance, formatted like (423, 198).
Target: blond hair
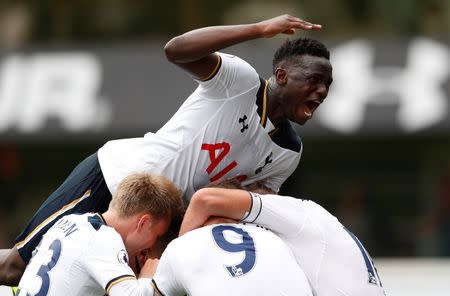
(147, 193)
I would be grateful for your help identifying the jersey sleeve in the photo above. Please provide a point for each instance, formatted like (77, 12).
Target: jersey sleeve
(283, 215)
(106, 260)
(167, 280)
(140, 287)
(234, 77)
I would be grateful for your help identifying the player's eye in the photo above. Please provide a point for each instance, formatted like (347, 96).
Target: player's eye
(313, 79)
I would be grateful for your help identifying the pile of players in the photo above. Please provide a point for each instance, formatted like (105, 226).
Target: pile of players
(223, 155)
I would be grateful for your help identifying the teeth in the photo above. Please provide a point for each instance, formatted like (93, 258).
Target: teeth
(308, 113)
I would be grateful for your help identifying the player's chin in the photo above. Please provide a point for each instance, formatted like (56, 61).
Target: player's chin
(302, 114)
(302, 119)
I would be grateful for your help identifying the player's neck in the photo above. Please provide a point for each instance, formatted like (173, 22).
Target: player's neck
(274, 110)
(121, 225)
(109, 219)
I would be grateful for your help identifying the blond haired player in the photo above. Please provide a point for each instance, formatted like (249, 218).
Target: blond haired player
(87, 254)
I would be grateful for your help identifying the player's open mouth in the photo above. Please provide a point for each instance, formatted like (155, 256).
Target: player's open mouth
(312, 106)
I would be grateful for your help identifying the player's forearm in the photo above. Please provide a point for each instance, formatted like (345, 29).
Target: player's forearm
(197, 212)
(199, 43)
(149, 268)
(210, 202)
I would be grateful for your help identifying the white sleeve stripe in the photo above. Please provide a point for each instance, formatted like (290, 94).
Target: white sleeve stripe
(255, 209)
(251, 205)
(117, 280)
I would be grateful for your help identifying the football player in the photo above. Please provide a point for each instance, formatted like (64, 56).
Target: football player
(229, 259)
(333, 259)
(87, 254)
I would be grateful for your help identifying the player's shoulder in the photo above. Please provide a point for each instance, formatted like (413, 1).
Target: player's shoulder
(236, 60)
(286, 137)
(73, 223)
(105, 242)
(101, 228)
(238, 66)
(96, 221)
(191, 238)
(100, 232)
(88, 221)
(231, 78)
(177, 250)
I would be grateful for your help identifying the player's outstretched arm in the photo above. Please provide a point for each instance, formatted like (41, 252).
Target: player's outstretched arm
(211, 202)
(283, 215)
(194, 51)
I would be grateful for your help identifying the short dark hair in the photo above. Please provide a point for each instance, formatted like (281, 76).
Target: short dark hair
(298, 47)
(226, 184)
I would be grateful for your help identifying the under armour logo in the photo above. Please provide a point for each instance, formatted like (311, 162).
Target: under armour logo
(266, 162)
(244, 126)
(415, 88)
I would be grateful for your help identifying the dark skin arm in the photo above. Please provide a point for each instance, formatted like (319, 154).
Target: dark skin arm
(194, 51)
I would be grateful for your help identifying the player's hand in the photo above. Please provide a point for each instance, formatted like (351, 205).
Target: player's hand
(136, 262)
(149, 268)
(285, 24)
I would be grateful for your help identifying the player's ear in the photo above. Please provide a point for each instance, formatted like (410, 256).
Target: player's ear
(281, 76)
(144, 222)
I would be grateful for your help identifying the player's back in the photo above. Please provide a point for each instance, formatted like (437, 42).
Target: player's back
(230, 259)
(332, 258)
(56, 267)
(335, 255)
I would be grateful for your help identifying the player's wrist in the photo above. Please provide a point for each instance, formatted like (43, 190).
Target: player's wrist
(260, 30)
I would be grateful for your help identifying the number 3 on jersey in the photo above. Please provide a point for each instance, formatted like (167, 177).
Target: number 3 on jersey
(247, 246)
(45, 268)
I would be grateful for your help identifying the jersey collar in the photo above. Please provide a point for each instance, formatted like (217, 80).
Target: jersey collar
(261, 103)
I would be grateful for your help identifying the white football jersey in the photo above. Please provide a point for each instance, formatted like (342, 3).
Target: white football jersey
(220, 131)
(79, 255)
(333, 259)
(229, 259)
